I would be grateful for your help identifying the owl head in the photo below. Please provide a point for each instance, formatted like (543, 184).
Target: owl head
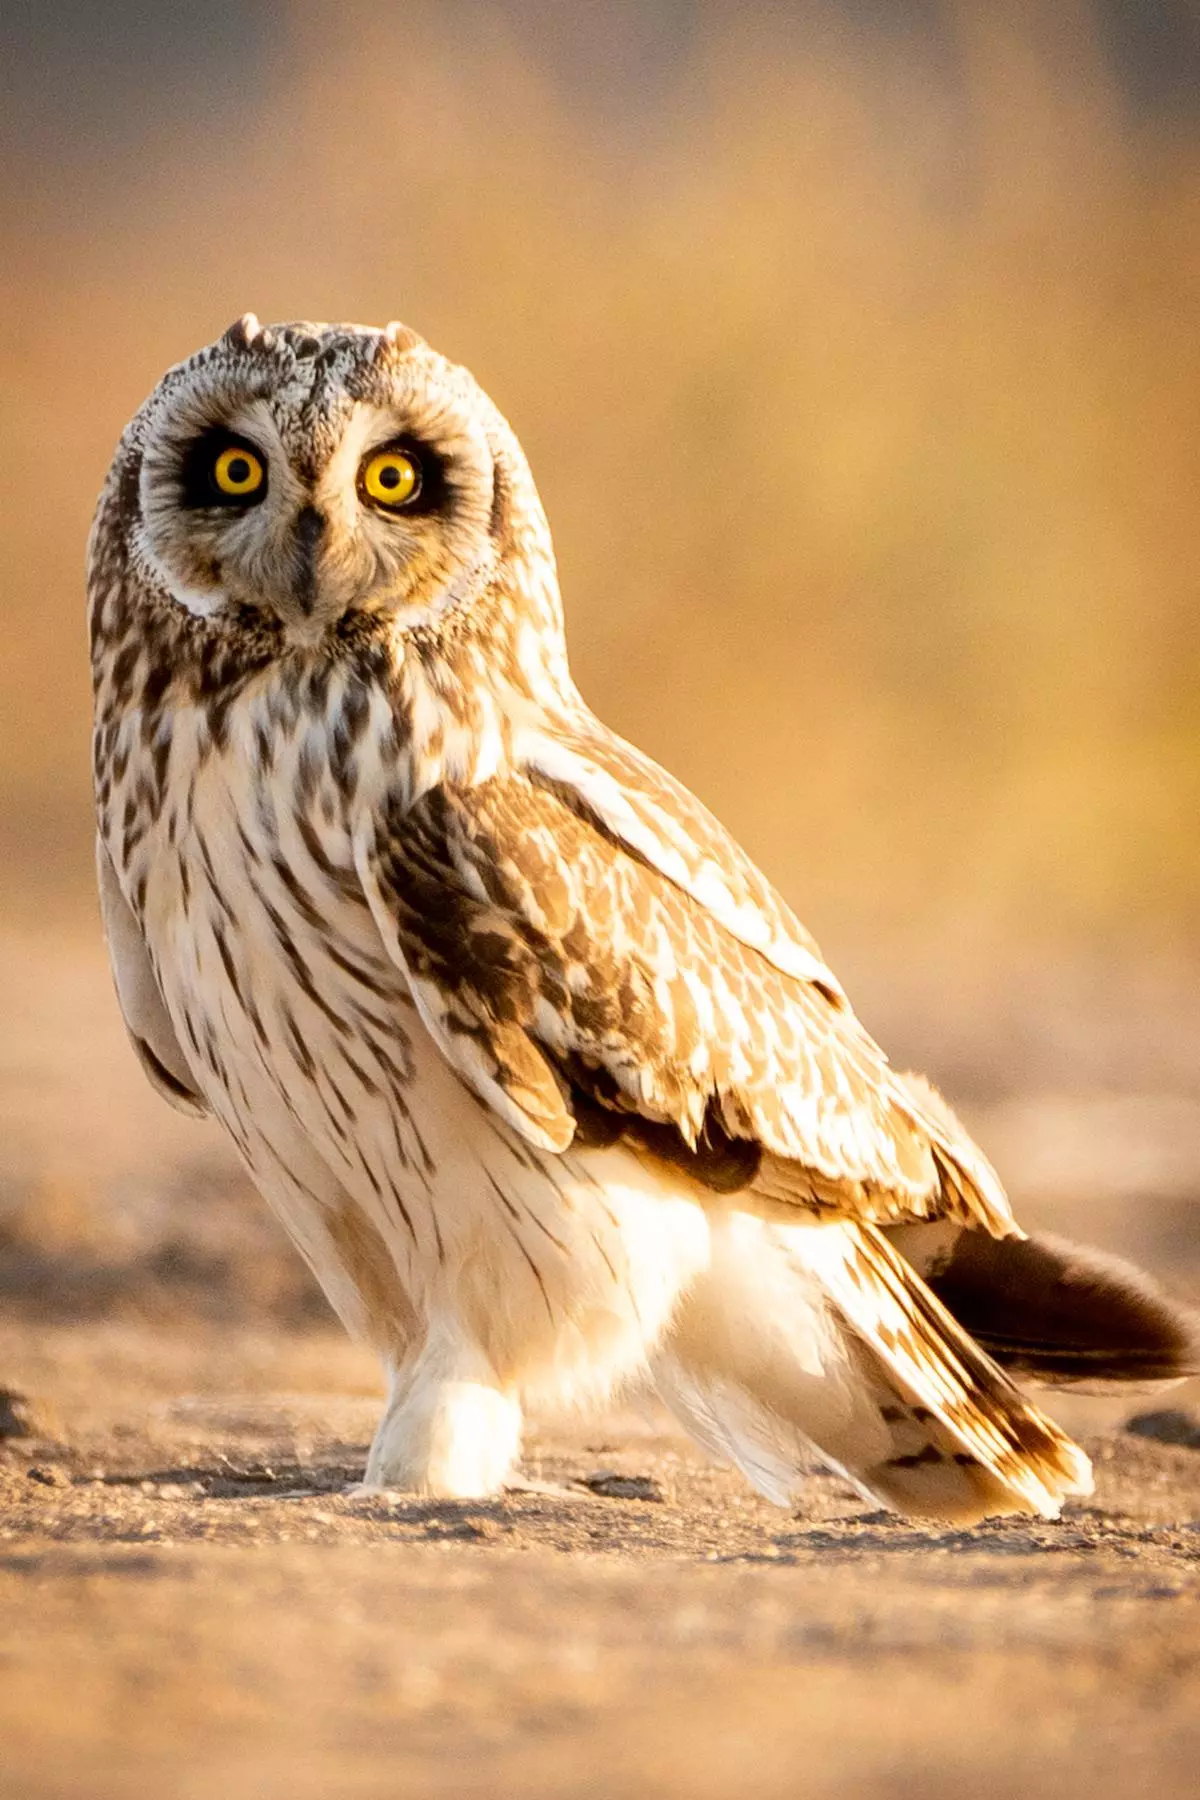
(310, 473)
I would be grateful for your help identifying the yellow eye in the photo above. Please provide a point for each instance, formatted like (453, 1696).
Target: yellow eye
(238, 472)
(391, 478)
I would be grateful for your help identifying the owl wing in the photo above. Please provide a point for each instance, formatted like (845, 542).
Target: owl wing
(597, 959)
(146, 1018)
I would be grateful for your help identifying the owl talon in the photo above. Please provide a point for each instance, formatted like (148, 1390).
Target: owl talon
(365, 1490)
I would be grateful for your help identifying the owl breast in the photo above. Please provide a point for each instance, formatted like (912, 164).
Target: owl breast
(411, 1201)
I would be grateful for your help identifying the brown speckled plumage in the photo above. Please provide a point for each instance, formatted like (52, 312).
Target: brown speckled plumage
(533, 1063)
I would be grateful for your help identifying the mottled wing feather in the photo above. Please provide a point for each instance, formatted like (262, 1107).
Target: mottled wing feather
(656, 818)
(146, 1020)
(649, 812)
(555, 962)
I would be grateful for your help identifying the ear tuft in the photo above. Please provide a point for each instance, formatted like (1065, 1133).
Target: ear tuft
(396, 340)
(244, 333)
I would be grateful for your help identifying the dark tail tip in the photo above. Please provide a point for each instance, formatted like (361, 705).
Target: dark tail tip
(1065, 1315)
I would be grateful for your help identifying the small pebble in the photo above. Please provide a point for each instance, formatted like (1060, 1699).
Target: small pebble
(49, 1477)
(611, 1486)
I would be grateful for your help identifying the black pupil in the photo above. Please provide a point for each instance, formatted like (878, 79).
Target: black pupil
(239, 469)
(389, 476)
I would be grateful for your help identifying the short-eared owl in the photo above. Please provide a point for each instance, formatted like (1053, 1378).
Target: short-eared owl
(542, 1077)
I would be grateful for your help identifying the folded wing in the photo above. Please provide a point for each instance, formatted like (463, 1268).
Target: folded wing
(595, 956)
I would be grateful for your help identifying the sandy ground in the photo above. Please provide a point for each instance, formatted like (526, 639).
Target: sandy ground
(191, 1604)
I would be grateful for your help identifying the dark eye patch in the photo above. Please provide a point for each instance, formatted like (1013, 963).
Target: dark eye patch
(199, 462)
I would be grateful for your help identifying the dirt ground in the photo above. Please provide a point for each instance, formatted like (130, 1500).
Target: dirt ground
(190, 1603)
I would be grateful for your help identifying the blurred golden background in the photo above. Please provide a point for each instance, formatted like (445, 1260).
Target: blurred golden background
(854, 345)
(856, 348)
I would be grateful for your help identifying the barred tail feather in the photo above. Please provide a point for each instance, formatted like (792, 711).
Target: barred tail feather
(1011, 1458)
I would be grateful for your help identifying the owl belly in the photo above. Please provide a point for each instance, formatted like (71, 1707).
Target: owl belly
(417, 1208)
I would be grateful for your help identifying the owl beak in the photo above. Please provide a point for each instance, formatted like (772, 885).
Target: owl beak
(307, 533)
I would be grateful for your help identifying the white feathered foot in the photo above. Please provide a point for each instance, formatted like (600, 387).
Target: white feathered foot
(451, 1429)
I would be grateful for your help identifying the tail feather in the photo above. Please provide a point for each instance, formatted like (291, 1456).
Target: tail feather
(1053, 1311)
(973, 1411)
(1046, 1309)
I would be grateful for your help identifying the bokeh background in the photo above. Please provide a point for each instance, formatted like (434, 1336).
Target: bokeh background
(855, 345)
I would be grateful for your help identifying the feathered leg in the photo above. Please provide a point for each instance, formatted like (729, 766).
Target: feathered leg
(820, 1336)
(451, 1430)
(759, 1369)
